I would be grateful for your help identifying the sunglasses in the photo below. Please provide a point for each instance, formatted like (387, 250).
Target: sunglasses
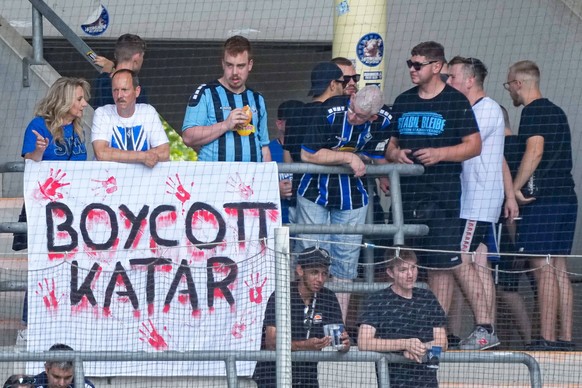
(418, 65)
(355, 78)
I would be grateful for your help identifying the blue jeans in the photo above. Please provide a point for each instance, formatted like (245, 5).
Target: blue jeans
(343, 248)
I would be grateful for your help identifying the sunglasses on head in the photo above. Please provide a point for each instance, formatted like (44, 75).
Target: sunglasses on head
(418, 65)
(20, 381)
(355, 78)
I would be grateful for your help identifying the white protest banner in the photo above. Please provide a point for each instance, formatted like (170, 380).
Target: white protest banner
(127, 258)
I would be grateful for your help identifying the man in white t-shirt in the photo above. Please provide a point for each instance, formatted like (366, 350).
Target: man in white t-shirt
(484, 180)
(128, 132)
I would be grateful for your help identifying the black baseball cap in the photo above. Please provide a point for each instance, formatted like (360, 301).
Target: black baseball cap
(314, 257)
(321, 75)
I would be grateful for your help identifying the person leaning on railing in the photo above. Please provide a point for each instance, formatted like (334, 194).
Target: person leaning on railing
(55, 133)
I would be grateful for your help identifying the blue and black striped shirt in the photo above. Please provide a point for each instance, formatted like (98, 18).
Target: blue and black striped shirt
(211, 103)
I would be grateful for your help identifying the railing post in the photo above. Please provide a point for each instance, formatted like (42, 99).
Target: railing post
(37, 48)
(396, 207)
(283, 307)
(231, 375)
(42, 8)
(79, 372)
(369, 253)
(37, 34)
(383, 373)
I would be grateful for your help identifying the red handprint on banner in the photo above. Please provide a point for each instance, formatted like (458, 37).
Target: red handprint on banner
(256, 290)
(50, 188)
(49, 294)
(239, 327)
(177, 189)
(104, 187)
(151, 335)
(238, 186)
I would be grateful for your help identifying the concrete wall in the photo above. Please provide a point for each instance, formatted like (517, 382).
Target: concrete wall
(303, 20)
(17, 102)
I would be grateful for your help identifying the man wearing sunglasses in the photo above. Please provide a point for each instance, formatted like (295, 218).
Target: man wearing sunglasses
(349, 131)
(326, 81)
(351, 79)
(434, 125)
(312, 307)
(544, 188)
(484, 180)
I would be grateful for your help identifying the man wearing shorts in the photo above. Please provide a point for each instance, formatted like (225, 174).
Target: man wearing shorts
(434, 125)
(482, 189)
(544, 187)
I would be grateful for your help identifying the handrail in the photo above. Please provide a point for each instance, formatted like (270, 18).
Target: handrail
(264, 355)
(64, 29)
(398, 229)
(40, 9)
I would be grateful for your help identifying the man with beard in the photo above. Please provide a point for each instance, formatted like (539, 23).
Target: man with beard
(544, 188)
(351, 79)
(217, 122)
(312, 307)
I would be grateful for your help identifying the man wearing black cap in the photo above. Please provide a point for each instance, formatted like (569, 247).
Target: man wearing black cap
(327, 81)
(312, 307)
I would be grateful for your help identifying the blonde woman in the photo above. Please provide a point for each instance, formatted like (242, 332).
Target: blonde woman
(56, 132)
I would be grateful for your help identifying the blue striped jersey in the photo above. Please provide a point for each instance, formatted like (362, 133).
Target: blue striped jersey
(211, 103)
(330, 129)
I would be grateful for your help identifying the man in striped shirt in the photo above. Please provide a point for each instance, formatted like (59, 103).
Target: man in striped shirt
(215, 123)
(347, 131)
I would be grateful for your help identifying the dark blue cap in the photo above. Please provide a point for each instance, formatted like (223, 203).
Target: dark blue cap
(321, 75)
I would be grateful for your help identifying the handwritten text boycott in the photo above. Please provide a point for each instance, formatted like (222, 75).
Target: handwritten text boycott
(60, 219)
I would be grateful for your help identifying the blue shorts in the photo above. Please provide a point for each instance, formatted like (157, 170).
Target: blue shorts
(547, 227)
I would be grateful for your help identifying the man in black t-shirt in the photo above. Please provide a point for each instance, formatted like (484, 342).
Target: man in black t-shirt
(434, 125)
(544, 188)
(312, 307)
(407, 319)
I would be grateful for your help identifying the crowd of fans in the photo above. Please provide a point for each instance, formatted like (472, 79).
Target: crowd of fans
(476, 174)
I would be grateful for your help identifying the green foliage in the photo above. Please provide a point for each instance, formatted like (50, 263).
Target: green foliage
(178, 150)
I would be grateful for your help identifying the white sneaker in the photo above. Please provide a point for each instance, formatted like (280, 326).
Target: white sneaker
(480, 339)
